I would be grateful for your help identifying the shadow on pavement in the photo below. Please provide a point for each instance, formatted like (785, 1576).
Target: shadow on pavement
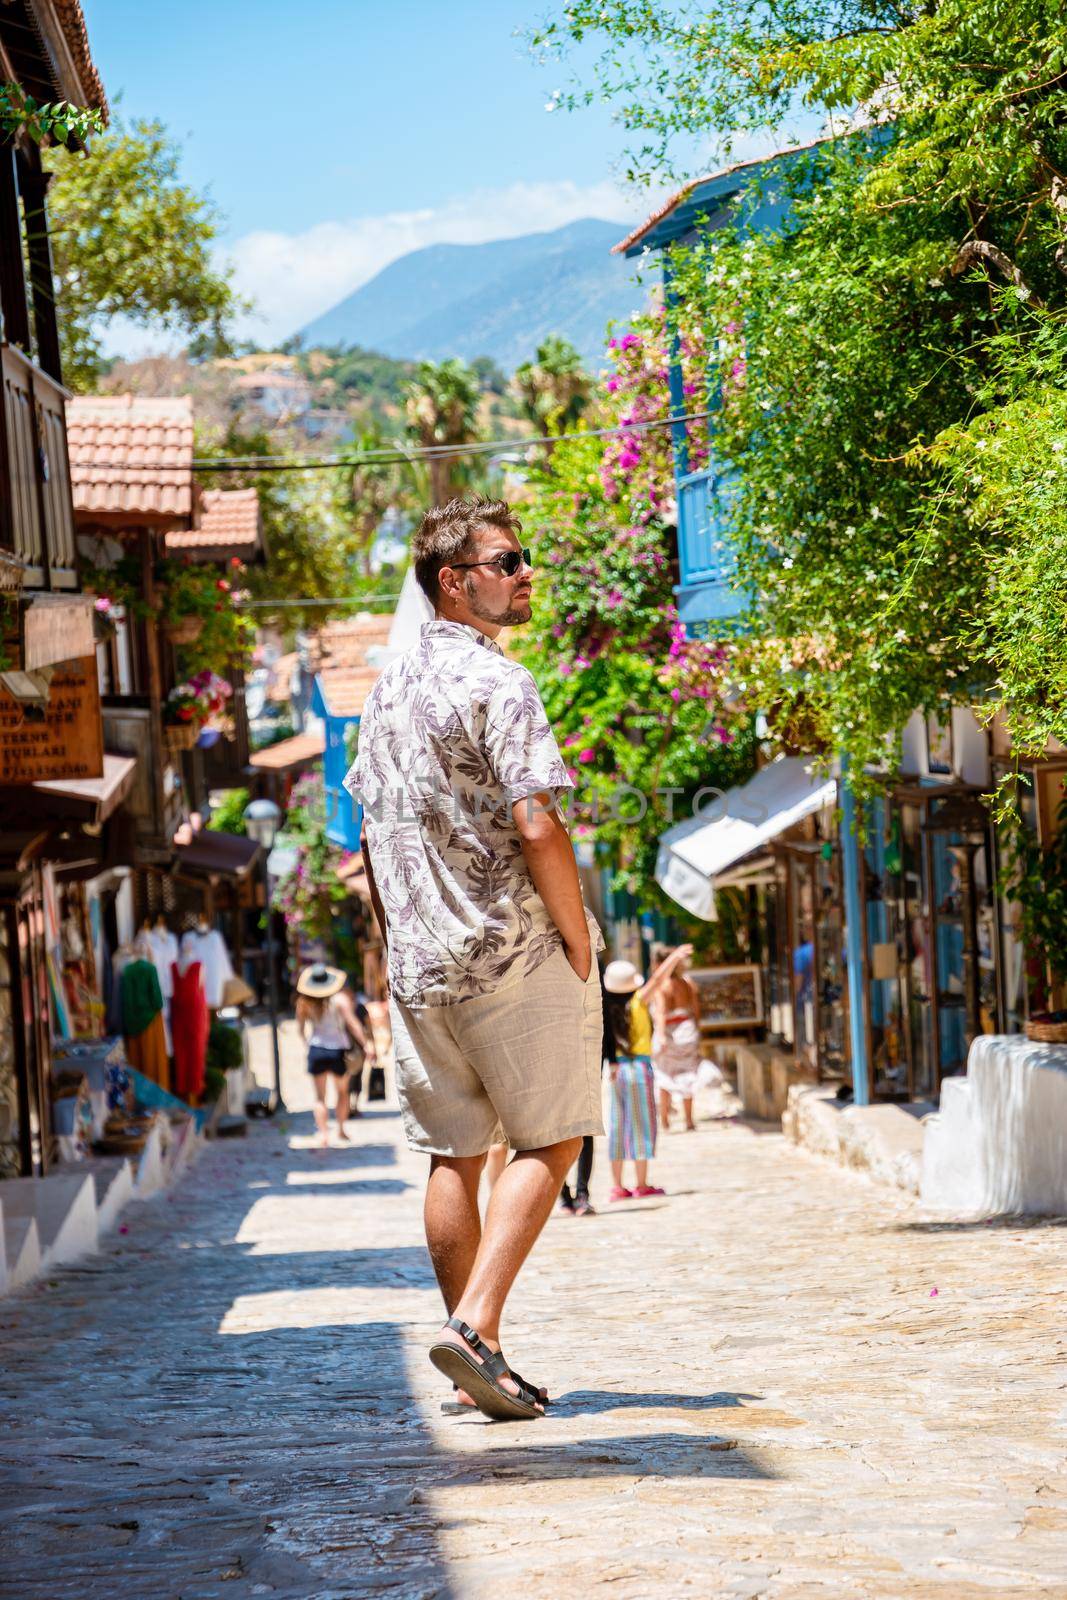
(662, 1455)
(597, 1400)
(979, 1225)
(399, 1267)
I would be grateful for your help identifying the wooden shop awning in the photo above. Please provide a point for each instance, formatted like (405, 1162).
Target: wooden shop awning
(711, 849)
(287, 754)
(216, 855)
(89, 799)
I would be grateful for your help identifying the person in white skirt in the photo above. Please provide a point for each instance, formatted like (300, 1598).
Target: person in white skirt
(676, 1059)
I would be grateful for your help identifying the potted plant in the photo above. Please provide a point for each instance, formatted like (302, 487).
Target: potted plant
(183, 716)
(116, 589)
(184, 598)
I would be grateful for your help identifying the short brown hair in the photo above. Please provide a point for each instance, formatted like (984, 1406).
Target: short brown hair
(446, 534)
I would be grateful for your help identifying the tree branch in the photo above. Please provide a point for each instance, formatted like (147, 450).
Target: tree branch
(1058, 200)
(992, 255)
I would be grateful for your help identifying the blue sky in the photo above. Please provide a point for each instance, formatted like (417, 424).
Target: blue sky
(338, 136)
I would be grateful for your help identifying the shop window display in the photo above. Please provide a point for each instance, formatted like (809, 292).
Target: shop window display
(931, 937)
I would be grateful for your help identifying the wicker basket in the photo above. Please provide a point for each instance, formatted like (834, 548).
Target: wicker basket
(1047, 1032)
(181, 735)
(184, 630)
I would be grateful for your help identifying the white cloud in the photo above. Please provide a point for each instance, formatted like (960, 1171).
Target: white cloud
(292, 277)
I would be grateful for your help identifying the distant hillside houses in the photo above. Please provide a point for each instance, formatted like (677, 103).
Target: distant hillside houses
(281, 396)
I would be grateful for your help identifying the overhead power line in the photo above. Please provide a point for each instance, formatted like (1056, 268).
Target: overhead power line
(308, 600)
(433, 452)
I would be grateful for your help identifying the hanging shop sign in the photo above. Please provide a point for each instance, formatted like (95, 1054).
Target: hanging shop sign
(50, 726)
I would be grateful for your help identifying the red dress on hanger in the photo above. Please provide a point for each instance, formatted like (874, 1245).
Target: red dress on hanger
(189, 1024)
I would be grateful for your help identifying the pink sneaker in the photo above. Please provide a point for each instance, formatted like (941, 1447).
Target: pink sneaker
(621, 1194)
(645, 1189)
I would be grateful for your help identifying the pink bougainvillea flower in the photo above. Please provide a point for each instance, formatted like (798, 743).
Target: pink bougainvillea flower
(587, 755)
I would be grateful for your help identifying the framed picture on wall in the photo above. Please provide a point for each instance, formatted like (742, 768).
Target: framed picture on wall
(730, 997)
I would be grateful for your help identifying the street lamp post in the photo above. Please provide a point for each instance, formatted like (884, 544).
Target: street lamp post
(261, 819)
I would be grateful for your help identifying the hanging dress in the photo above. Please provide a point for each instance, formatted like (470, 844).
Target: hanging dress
(189, 1025)
(142, 1021)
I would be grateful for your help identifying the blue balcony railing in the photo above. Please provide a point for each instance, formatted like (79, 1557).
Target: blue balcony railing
(708, 570)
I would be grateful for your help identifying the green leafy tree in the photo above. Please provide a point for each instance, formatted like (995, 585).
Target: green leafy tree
(442, 409)
(889, 359)
(310, 550)
(554, 389)
(366, 490)
(130, 239)
(228, 811)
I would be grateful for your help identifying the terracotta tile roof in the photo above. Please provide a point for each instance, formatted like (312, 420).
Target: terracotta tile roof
(294, 752)
(348, 640)
(72, 21)
(131, 456)
(345, 689)
(339, 660)
(228, 526)
(695, 183)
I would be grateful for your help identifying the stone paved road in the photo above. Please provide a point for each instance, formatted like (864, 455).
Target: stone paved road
(761, 1396)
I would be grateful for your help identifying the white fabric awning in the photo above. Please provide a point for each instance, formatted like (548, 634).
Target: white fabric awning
(696, 854)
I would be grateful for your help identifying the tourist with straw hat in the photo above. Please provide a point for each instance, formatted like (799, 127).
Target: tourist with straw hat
(325, 1007)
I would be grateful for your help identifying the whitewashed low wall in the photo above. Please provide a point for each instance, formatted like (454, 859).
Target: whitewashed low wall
(998, 1145)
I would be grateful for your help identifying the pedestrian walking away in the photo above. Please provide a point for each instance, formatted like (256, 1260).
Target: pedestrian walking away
(325, 1008)
(360, 1056)
(676, 1057)
(577, 1203)
(495, 998)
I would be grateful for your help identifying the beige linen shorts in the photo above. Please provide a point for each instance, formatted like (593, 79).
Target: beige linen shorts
(521, 1064)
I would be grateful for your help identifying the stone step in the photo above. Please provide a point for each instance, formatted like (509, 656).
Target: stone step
(22, 1252)
(113, 1185)
(64, 1208)
(884, 1141)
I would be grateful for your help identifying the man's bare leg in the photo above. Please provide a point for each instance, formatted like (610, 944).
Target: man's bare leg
(495, 1162)
(453, 1222)
(519, 1207)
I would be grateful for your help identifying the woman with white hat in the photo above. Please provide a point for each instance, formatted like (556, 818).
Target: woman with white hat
(324, 1006)
(632, 1118)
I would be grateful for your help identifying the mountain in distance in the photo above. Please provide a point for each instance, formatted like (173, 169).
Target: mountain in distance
(498, 299)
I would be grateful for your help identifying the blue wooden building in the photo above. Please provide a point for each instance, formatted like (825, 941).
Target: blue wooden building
(343, 678)
(881, 964)
(796, 860)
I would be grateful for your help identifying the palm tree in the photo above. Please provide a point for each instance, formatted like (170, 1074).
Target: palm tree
(442, 409)
(554, 388)
(367, 490)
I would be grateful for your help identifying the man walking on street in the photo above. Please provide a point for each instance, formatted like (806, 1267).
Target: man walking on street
(496, 1005)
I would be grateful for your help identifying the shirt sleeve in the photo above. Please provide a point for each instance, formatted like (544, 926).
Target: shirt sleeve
(519, 744)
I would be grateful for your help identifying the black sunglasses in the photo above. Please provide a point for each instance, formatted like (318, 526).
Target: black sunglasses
(509, 562)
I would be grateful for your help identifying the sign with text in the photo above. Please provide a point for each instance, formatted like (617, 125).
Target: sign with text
(62, 739)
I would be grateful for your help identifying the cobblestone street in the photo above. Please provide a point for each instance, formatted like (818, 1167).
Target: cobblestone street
(761, 1394)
